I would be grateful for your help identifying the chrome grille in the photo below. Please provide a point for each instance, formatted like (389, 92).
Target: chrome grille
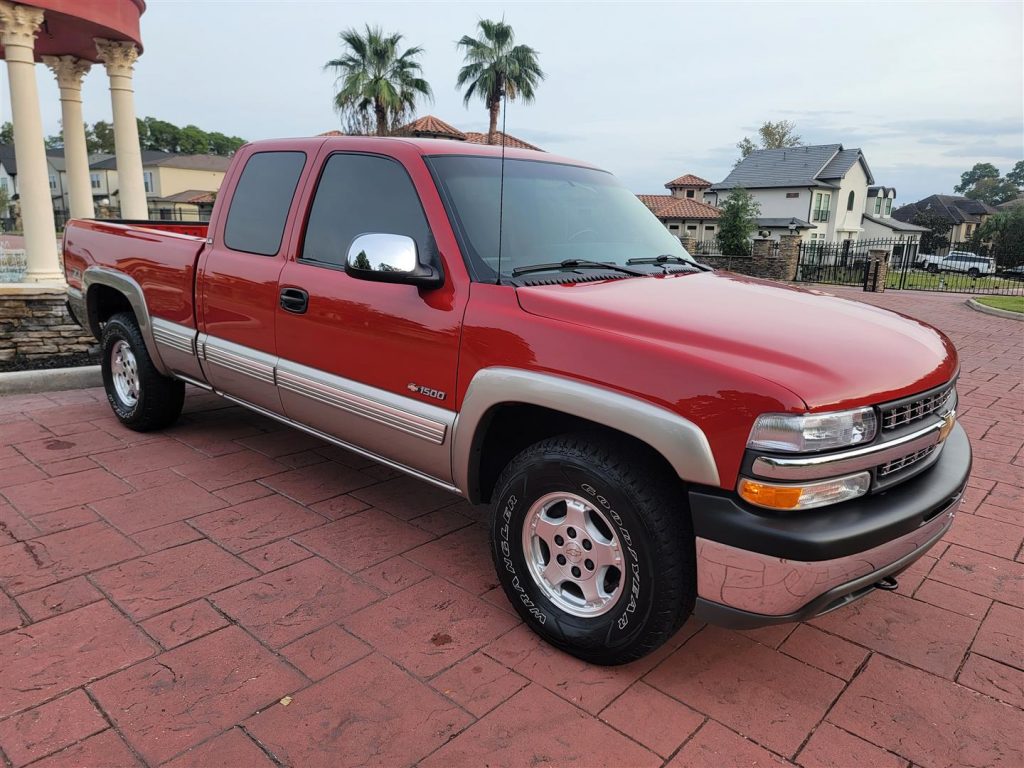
(910, 411)
(905, 461)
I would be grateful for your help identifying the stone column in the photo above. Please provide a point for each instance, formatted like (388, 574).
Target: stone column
(69, 72)
(878, 270)
(119, 58)
(689, 243)
(19, 25)
(789, 256)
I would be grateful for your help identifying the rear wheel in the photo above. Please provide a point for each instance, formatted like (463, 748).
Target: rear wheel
(141, 397)
(933, 268)
(594, 547)
(973, 272)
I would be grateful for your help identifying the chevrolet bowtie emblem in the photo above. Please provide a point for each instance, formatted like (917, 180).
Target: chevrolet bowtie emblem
(947, 425)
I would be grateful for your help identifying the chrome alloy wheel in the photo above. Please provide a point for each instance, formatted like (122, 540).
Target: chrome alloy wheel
(573, 554)
(125, 373)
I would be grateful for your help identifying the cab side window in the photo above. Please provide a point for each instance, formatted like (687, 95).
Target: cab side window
(260, 203)
(363, 194)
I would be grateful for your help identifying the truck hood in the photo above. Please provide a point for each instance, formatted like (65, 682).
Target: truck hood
(831, 352)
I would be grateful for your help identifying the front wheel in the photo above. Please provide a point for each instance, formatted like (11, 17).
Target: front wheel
(141, 397)
(594, 547)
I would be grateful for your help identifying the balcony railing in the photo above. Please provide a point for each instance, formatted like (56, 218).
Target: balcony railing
(821, 215)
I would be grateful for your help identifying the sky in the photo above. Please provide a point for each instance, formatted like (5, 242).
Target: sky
(648, 91)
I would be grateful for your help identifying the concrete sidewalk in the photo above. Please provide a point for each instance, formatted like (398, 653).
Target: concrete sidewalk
(229, 592)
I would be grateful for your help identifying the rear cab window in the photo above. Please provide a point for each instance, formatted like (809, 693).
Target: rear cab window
(260, 202)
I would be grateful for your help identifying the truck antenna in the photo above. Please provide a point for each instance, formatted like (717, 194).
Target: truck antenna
(501, 183)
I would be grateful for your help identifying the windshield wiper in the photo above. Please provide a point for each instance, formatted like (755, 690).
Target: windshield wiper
(663, 259)
(576, 264)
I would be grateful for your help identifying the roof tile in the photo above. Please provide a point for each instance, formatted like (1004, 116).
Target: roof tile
(668, 207)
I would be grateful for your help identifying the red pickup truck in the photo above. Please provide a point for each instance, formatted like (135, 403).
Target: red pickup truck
(655, 438)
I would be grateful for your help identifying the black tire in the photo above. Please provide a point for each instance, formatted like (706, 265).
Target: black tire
(160, 398)
(973, 272)
(644, 506)
(933, 268)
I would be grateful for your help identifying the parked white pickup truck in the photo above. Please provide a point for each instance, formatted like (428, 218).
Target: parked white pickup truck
(958, 261)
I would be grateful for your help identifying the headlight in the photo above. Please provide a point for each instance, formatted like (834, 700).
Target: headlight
(813, 432)
(805, 496)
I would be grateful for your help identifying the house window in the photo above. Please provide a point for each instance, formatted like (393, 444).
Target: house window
(849, 201)
(53, 182)
(689, 193)
(94, 179)
(822, 204)
(709, 229)
(147, 178)
(3, 184)
(888, 206)
(791, 195)
(673, 227)
(691, 227)
(878, 205)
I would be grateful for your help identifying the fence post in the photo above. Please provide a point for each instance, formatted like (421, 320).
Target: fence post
(789, 256)
(689, 243)
(878, 270)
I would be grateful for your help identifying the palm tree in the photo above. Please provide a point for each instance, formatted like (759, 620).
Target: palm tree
(495, 66)
(376, 76)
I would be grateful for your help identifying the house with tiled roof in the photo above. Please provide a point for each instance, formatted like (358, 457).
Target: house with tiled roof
(824, 191)
(682, 211)
(963, 214)
(431, 127)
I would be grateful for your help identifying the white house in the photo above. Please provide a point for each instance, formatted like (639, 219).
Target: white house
(826, 192)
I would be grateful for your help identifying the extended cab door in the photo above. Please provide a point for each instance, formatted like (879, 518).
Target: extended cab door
(237, 284)
(373, 364)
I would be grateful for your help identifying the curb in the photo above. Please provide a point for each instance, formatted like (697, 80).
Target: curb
(50, 380)
(1018, 316)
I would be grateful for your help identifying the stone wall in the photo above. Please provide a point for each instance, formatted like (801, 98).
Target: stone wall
(765, 259)
(35, 326)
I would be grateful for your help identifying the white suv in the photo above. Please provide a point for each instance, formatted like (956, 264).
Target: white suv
(958, 261)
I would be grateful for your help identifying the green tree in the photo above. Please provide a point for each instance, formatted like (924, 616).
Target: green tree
(193, 141)
(7, 133)
(494, 65)
(102, 138)
(219, 144)
(377, 77)
(969, 179)
(1005, 232)
(5, 203)
(993, 191)
(937, 235)
(778, 135)
(161, 135)
(54, 142)
(738, 222)
(1016, 176)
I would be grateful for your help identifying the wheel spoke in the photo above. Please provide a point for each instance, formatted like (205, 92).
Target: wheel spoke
(552, 573)
(591, 591)
(546, 529)
(605, 555)
(576, 514)
(117, 365)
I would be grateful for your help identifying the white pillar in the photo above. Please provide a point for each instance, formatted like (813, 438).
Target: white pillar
(69, 72)
(18, 27)
(119, 57)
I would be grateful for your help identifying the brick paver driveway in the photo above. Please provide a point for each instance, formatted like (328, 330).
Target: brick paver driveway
(233, 593)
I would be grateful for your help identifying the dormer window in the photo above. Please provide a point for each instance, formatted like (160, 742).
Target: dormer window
(878, 206)
(689, 193)
(888, 206)
(849, 201)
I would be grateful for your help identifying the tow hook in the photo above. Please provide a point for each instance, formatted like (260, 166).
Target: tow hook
(889, 584)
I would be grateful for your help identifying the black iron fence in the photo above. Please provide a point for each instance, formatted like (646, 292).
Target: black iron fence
(958, 267)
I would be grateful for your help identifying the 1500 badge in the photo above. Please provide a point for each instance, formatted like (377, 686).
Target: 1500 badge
(437, 394)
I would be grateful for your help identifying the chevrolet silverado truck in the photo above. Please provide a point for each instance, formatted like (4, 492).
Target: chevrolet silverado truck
(655, 439)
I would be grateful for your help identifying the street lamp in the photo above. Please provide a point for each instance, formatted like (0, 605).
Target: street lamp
(792, 225)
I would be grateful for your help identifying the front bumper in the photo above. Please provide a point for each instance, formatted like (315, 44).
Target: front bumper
(755, 568)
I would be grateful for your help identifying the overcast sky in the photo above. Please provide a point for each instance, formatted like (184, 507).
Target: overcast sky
(646, 90)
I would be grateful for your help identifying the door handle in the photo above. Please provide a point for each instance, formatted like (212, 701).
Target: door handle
(294, 300)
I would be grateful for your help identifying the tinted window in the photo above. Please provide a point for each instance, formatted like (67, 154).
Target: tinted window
(362, 194)
(259, 206)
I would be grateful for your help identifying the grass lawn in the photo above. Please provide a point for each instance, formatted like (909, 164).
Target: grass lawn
(949, 281)
(1009, 303)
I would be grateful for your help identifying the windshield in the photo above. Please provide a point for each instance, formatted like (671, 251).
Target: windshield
(552, 213)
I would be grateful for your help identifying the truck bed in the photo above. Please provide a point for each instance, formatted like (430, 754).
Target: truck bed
(160, 256)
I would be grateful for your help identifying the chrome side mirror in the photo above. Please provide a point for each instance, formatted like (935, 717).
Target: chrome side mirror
(389, 259)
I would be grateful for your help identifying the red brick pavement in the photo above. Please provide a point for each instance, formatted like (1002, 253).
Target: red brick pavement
(229, 592)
